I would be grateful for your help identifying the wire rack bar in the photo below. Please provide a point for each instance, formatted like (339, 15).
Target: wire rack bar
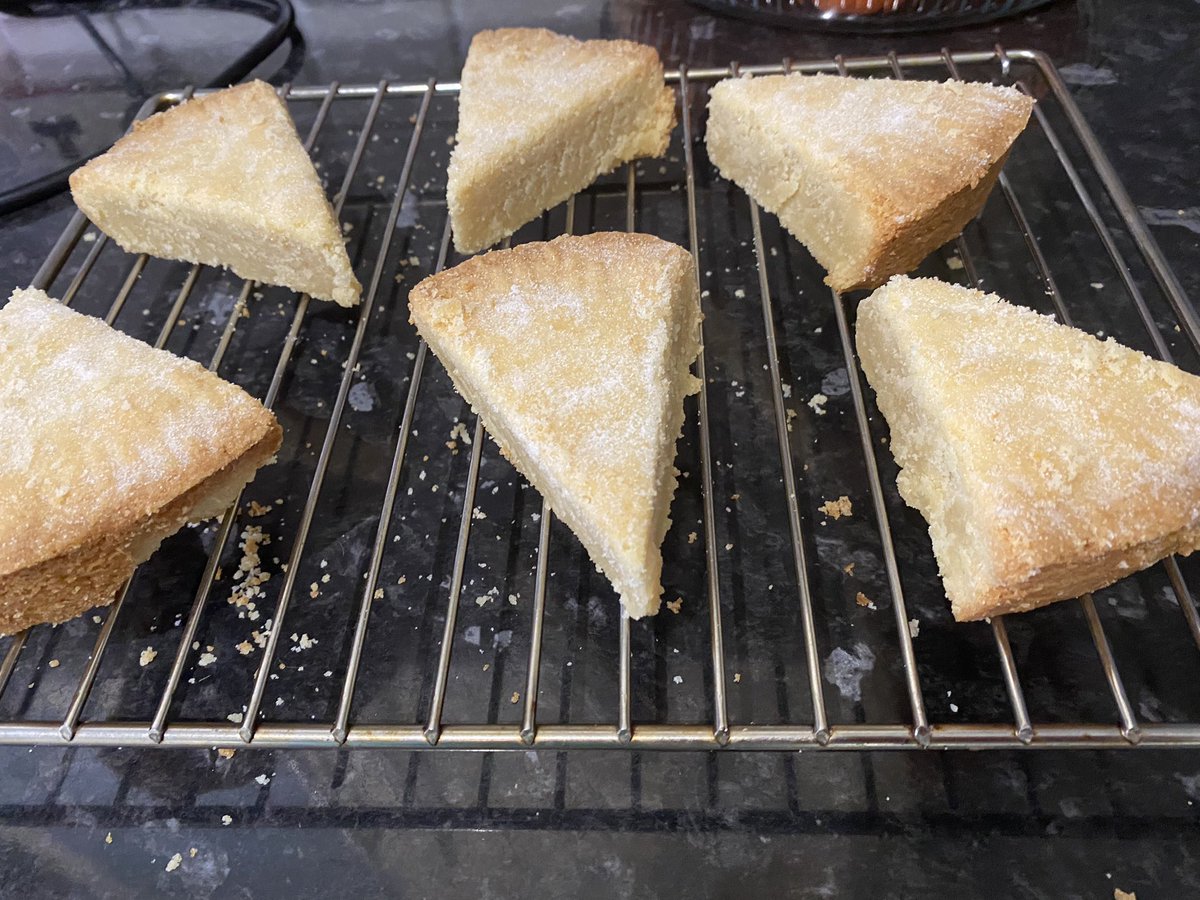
(811, 651)
(624, 644)
(274, 735)
(713, 579)
(1012, 682)
(161, 730)
(1186, 603)
(908, 653)
(434, 725)
(10, 657)
(533, 670)
(1129, 722)
(85, 269)
(63, 247)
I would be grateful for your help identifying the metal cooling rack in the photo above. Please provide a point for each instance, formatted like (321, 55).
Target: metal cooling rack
(388, 522)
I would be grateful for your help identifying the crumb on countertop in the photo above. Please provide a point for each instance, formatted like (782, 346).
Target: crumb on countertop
(835, 509)
(303, 642)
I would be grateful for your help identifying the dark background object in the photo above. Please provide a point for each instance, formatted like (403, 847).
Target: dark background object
(871, 16)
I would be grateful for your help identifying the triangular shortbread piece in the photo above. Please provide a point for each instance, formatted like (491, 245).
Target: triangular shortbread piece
(1047, 463)
(577, 355)
(540, 117)
(870, 175)
(222, 180)
(108, 447)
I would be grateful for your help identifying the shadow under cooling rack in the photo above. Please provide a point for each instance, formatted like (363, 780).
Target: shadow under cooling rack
(411, 590)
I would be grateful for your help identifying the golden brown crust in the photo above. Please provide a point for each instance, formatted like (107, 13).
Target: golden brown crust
(577, 355)
(57, 589)
(156, 427)
(222, 180)
(870, 174)
(902, 244)
(540, 117)
(1071, 577)
(1047, 463)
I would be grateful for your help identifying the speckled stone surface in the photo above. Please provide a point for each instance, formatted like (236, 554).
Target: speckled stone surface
(390, 823)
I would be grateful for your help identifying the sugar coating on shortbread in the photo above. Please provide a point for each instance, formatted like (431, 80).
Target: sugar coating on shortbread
(1048, 463)
(111, 447)
(222, 180)
(577, 353)
(540, 117)
(871, 175)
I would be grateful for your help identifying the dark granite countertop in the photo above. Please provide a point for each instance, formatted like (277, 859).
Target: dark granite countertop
(89, 822)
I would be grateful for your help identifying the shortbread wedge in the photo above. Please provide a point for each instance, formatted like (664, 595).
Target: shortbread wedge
(577, 353)
(109, 447)
(1048, 463)
(871, 175)
(222, 180)
(540, 116)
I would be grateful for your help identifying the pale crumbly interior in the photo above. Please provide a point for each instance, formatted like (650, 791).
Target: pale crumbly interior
(119, 445)
(577, 355)
(222, 180)
(541, 116)
(1048, 463)
(869, 174)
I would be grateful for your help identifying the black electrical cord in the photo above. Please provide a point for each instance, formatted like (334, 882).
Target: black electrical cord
(277, 13)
